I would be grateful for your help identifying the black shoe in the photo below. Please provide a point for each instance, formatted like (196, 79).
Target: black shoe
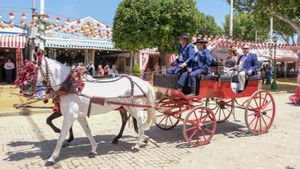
(193, 92)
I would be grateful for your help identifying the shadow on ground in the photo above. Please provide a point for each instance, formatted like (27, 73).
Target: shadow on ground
(80, 147)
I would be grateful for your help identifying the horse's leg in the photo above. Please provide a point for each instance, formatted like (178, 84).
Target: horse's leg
(85, 126)
(67, 123)
(70, 139)
(139, 116)
(136, 128)
(124, 117)
(49, 120)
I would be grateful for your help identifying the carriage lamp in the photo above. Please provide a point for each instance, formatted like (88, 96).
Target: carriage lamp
(274, 85)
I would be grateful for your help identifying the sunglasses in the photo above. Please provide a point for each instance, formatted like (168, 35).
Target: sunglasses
(245, 48)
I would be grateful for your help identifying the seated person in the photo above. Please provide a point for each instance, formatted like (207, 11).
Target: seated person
(231, 60)
(247, 65)
(200, 65)
(186, 54)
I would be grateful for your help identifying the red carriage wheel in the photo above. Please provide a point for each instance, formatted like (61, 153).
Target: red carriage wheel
(260, 112)
(199, 126)
(222, 108)
(168, 115)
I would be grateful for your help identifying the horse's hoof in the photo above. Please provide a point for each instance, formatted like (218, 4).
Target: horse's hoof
(92, 155)
(115, 141)
(49, 163)
(135, 149)
(66, 144)
(146, 140)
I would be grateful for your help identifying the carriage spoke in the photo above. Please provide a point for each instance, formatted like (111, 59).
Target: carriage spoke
(196, 118)
(260, 123)
(268, 109)
(192, 135)
(264, 121)
(220, 114)
(252, 121)
(266, 104)
(171, 121)
(251, 114)
(205, 117)
(268, 116)
(224, 113)
(208, 123)
(191, 128)
(255, 102)
(202, 133)
(208, 130)
(256, 123)
(166, 121)
(162, 119)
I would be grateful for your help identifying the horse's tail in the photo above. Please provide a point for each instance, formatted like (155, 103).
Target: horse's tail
(151, 112)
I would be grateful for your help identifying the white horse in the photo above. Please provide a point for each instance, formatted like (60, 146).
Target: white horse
(75, 107)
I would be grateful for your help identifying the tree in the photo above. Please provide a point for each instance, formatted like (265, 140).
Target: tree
(135, 24)
(245, 27)
(287, 12)
(140, 24)
(176, 17)
(208, 25)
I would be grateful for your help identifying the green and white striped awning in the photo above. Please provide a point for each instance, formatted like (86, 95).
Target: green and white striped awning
(78, 44)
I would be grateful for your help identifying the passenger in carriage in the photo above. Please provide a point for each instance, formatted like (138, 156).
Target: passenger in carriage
(200, 66)
(186, 54)
(232, 59)
(247, 65)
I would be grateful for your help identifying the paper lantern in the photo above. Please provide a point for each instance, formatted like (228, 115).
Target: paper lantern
(24, 17)
(11, 15)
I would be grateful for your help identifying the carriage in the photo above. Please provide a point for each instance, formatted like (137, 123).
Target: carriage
(214, 103)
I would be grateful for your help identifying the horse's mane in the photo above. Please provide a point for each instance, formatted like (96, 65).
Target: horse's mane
(57, 62)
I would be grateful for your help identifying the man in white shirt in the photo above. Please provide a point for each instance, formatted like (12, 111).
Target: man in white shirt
(9, 69)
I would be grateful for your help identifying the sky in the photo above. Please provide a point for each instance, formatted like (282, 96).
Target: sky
(102, 10)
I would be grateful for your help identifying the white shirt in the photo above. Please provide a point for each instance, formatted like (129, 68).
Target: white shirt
(9, 66)
(241, 64)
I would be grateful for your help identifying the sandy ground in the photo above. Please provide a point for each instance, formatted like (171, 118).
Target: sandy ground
(233, 147)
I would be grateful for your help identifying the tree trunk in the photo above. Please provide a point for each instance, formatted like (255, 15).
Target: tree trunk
(298, 41)
(163, 58)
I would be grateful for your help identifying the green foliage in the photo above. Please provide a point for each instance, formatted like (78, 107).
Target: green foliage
(140, 24)
(135, 24)
(208, 25)
(176, 17)
(244, 27)
(136, 68)
(286, 14)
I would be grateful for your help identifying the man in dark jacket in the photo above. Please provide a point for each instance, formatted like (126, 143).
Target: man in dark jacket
(186, 54)
(199, 65)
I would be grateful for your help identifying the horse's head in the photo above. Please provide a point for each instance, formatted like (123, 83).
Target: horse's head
(30, 75)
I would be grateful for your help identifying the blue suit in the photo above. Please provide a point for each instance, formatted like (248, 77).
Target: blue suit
(200, 64)
(186, 55)
(251, 63)
(245, 64)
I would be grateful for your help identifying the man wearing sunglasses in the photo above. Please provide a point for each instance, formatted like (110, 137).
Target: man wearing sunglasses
(247, 65)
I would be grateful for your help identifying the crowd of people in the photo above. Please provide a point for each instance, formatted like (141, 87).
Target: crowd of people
(101, 72)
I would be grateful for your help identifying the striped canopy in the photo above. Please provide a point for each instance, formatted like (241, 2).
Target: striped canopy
(12, 40)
